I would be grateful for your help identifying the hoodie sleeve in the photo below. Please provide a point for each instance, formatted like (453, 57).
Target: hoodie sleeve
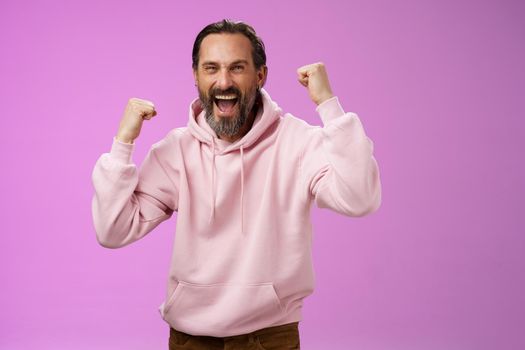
(338, 165)
(128, 203)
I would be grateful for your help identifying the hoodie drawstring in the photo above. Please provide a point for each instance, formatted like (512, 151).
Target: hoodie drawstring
(242, 189)
(268, 114)
(212, 216)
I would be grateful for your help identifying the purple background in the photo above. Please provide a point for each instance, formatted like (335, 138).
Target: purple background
(439, 86)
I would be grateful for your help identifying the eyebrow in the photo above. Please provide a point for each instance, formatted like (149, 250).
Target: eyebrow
(239, 62)
(233, 63)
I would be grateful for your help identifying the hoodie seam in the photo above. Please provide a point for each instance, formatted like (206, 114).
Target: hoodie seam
(314, 130)
(154, 153)
(301, 176)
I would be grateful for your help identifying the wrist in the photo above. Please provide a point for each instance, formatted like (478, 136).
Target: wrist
(324, 97)
(124, 139)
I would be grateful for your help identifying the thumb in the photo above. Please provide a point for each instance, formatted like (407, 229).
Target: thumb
(302, 77)
(148, 115)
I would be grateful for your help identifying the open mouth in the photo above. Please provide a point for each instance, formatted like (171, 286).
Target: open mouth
(225, 103)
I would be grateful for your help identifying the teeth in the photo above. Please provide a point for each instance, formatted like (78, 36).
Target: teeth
(226, 97)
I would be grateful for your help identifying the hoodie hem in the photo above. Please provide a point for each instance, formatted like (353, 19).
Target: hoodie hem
(197, 329)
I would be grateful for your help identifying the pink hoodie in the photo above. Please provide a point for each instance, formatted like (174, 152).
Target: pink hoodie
(242, 253)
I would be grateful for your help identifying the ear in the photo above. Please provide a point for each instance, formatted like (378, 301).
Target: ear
(262, 73)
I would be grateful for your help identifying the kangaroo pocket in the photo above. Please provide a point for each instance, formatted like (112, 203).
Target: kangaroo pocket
(222, 309)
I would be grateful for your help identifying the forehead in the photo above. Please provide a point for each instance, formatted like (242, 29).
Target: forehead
(225, 48)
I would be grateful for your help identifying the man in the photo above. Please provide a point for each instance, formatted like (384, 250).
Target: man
(242, 177)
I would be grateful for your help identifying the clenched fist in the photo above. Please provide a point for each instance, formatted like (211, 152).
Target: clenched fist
(135, 113)
(314, 77)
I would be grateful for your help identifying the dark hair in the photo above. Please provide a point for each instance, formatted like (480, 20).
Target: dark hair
(228, 26)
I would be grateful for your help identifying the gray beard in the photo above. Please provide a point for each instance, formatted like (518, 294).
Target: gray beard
(229, 126)
(225, 126)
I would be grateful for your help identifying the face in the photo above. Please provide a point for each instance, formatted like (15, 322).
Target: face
(227, 81)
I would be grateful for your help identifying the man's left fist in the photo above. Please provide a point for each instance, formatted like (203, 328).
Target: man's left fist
(314, 77)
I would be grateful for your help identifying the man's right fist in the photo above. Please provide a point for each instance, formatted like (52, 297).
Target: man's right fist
(136, 111)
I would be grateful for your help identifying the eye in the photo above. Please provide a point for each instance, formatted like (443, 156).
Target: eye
(238, 68)
(210, 69)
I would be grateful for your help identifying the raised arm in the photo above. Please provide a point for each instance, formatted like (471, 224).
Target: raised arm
(129, 203)
(338, 165)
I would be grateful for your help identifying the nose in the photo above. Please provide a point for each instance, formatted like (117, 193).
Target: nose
(224, 80)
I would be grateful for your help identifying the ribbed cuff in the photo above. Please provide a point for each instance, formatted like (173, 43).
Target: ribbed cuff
(330, 110)
(121, 151)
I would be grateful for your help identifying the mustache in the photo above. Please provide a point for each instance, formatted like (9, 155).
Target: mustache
(229, 91)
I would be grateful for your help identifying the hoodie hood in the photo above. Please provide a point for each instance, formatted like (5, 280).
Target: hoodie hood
(200, 129)
(267, 114)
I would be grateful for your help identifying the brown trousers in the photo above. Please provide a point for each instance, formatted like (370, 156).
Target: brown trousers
(283, 337)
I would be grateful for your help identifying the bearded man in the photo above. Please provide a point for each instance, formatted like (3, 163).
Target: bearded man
(242, 177)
